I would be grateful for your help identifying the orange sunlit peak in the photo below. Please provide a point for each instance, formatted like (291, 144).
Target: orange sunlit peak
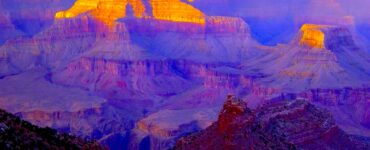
(313, 36)
(79, 7)
(108, 11)
(177, 11)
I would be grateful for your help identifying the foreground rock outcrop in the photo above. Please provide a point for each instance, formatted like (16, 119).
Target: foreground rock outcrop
(277, 125)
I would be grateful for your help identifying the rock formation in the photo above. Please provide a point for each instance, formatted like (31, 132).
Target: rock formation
(312, 36)
(311, 60)
(176, 10)
(278, 125)
(109, 11)
(142, 73)
(326, 37)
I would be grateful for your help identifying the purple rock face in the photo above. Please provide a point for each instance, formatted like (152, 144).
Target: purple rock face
(144, 82)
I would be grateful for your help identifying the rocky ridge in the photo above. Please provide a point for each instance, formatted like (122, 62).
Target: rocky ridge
(293, 124)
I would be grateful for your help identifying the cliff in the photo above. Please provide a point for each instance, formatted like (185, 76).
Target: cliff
(333, 38)
(109, 11)
(320, 57)
(313, 36)
(283, 125)
(57, 45)
(82, 57)
(106, 11)
(221, 39)
(176, 10)
(335, 77)
(124, 71)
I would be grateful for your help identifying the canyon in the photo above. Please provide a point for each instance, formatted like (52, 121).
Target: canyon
(144, 74)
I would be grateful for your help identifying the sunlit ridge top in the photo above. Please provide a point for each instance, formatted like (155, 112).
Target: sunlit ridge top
(313, 36)
(108, 11)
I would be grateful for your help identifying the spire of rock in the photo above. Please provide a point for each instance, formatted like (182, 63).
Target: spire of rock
(233, 109)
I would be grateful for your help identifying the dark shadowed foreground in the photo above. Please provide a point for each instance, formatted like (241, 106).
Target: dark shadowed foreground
(18, 134)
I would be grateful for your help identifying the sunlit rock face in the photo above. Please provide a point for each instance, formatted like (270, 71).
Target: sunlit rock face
(326, 37)
(79, 7)
(106, 11)
(312, 36)
(109, 11)
(175, 10)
